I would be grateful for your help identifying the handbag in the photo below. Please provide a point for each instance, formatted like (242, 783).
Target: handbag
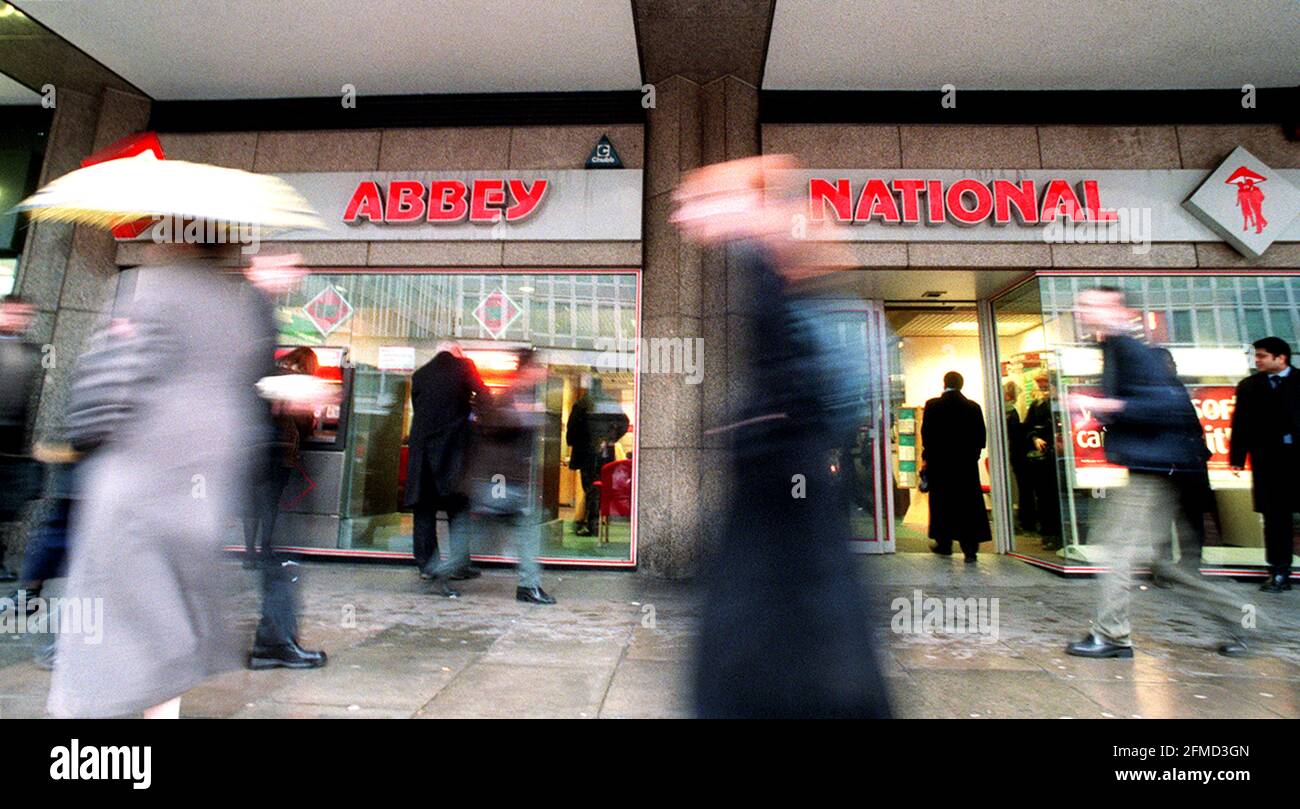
(120, 363)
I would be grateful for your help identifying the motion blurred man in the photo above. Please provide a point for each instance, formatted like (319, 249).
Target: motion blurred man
(1149, 423)
(1266, 429)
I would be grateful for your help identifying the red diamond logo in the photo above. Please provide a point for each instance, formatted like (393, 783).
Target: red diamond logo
(328, 310)
(496, 312)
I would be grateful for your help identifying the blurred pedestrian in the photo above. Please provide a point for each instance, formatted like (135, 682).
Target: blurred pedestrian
(785, 630)
(1266, 431)
(1192, 482)
(1152, 430)
(286, 421)
(182, 346)
(443, 393)
(20, 374)
(46, 552)
(952, 438)
(500, 473)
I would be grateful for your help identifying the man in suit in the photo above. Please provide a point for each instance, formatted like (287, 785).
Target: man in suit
(585, 458)
(1040, 450)
(1266, 428)
(1152, 430)
(952, 437)
(442, 394)
(20, 372)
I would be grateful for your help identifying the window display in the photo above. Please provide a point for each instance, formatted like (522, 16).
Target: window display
(372, 331)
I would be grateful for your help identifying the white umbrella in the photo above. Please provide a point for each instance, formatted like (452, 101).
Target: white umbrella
(117, 192)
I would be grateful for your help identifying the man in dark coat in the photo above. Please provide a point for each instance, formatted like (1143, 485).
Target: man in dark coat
(20, 372)
(584, 458)
(785, 625)
(1152, 430)
(1266, 428)
(442, 395)
(1040, 464)
(952, 437)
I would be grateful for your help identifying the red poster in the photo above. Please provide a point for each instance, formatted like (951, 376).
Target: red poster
(1214, 405)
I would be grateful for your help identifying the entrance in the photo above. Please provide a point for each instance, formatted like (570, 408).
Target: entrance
(932, 347)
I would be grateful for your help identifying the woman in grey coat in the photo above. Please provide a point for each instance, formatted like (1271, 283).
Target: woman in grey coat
(164, 399)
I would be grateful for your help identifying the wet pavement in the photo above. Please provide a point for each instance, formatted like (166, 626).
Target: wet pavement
(618, 644)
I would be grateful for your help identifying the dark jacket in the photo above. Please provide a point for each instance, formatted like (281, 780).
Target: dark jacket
(1157, 431)
(20, 373)
(785, 625)
(577, 434)
(1261, 417)
(443, 391)
(952, 435)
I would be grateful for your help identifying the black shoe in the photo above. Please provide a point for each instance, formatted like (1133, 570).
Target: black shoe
(1234, 648)
(971, 558)
(533, 595)
(7, 575)
(285, 656)
(1277, 583)
(1092, 646)
(582, 531)
(466, 573)
(942, 550)
(441, 588)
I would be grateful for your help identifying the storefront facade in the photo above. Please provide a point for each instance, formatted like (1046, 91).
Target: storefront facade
(971, 243)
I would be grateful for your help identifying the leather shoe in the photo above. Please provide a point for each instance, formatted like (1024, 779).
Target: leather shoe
(1093, 646)
(533, 595)
(285, 656)
(466, 573)
(971, 558)
(942, 550)
(1234, 648)
(1277, 583)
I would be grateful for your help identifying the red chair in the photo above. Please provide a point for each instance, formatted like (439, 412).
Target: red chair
(615, 493)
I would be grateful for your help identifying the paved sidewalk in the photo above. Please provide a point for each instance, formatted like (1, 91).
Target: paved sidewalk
(618, 645)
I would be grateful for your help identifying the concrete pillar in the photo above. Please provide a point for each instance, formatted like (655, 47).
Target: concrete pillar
(691, 294)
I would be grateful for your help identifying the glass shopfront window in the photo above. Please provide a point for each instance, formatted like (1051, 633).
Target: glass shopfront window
(376, 329)
(1207, 323)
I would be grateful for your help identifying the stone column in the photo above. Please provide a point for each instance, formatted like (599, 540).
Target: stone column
(694, 295)
(68, 272)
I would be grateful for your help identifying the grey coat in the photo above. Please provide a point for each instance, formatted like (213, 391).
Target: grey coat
(158, 494)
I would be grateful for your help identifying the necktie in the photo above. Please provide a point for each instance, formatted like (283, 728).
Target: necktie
(1275, 380)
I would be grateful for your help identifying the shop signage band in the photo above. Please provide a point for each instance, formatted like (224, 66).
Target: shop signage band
(558, 205)
(1015, 205)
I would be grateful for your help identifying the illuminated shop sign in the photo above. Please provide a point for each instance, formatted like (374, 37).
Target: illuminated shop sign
(965, 201)
(485, 200)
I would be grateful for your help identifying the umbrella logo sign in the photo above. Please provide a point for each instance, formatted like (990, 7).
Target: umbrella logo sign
(1231, 202)
(1250, 198)
(496, 312)
(328, 310)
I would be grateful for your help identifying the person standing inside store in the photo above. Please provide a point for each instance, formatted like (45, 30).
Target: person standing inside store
(584, 457)
(1266, 431)
(1040, 466)
(952, 437)
(20, 373)
(443, 394)
(1152, 430)
(1017, 449)
(785, 628)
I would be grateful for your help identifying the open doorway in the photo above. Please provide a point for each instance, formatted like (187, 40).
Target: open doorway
(931, 342)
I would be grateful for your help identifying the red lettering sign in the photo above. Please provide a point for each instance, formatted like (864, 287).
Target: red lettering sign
(966, 201)
(484, 200)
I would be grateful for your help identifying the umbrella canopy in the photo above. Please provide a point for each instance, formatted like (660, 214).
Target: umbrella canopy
(117, 192)
(1244, 173)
